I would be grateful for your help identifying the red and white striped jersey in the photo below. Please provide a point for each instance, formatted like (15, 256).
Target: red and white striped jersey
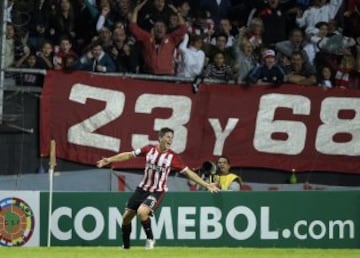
(158, 166)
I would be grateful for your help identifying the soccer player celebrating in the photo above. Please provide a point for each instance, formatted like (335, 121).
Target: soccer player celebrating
(160, 160)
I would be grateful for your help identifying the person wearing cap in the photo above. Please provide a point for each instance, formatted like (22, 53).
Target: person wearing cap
(269, 72)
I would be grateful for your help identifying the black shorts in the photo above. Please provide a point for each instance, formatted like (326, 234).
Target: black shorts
(150, 199)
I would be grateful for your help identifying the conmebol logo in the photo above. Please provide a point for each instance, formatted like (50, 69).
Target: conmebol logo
(16, 222)
(204, 223)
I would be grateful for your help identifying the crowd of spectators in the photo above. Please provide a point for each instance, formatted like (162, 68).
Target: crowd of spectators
(309, 42)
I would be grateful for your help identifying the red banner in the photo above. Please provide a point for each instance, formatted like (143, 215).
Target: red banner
(288, 127)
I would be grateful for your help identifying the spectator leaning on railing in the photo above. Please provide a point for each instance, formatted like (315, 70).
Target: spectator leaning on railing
(64, 56)
(245, 60)
(124, 51)
(300, 72)
(96, 60)
(192, 57)
(270, 72)
(218, 69)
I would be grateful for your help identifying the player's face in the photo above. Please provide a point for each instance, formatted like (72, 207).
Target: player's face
(166, 141)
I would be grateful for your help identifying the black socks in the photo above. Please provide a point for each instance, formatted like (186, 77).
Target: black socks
(147, 228)
(126, 230)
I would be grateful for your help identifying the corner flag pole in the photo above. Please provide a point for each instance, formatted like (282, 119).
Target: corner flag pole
(52, 164)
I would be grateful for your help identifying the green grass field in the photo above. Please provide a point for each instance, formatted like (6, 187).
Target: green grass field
(168, 252)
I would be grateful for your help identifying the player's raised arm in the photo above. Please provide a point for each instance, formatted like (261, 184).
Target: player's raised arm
(123, 156)
(195, 178)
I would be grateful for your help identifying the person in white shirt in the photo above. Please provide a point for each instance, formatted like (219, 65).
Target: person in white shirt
(225, 27)
(334, 44)
(9, 54)
(320, 11)
(8, 11)
(192, 57)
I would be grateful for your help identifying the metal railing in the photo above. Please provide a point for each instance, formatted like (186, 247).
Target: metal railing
(2, 58)
(13, 87)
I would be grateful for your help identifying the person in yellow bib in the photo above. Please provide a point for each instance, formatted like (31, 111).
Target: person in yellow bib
(226, 180)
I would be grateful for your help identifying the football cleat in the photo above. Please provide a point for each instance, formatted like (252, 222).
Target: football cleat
(149, 244)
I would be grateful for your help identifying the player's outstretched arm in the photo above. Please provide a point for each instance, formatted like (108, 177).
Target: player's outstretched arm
(123, 156)
(195, 178)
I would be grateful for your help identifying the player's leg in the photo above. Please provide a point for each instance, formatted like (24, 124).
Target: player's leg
(126, 227)
(145, 210)
(144, 213)
(131, 207)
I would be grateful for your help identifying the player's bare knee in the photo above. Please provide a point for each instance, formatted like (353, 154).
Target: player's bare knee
(143, 213)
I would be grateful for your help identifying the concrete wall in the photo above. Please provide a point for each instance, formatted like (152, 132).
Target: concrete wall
(106, 180)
